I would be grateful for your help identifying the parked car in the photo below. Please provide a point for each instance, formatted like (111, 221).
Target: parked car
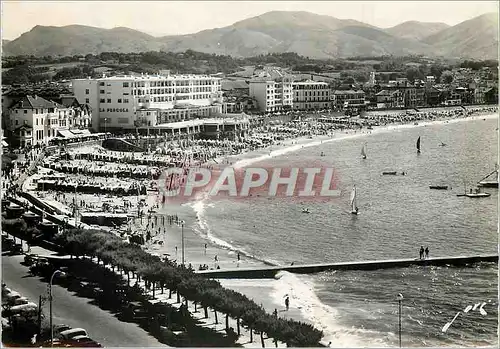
(17, 249)
(25, 309)
(30, 259)
(9, 298)
(60, 328)
(70, 334)
(7, 243)
(20, 301)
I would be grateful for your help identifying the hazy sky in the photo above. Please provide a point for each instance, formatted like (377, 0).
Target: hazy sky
(184, 17)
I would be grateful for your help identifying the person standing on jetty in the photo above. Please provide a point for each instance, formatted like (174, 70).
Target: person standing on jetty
(421, 252)
(287, 303)
(427, 252)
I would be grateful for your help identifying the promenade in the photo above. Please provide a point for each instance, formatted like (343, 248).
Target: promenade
(270, 272)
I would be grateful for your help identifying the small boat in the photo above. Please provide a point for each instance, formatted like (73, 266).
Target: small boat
(363, 151)
(322, 154)
(305, 210)
(477, 195)
(489, 183)
(438, 187)
(354, 208)
(390, 173)
(418, 145)
(442, 144)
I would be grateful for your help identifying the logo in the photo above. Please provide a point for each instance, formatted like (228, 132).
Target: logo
(304, 183)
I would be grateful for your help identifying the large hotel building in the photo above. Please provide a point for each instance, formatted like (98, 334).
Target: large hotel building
(128, 102)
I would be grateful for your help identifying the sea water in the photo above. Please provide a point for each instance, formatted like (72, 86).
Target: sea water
(398, 214)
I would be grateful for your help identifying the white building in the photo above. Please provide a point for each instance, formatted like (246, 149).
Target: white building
(127, 102)
(272, 95)
(35, 120)
(310, 94)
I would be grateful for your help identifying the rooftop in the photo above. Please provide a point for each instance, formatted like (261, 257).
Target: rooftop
(348, 92)
(238, 118)
(310, 82)
(35, 102)
(152, 77)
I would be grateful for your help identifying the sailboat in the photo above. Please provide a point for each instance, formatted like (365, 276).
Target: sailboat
(363, 151)
(489, 183)
(418, 145)
(354, 208)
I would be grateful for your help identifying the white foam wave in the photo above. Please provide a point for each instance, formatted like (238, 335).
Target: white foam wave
(204, 230)
(322, 316)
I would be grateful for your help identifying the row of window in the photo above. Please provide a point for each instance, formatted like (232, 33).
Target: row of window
(309, 87)
(155, 91)
(42, 111)
(166, 83)
(103, 100)
(313, 93)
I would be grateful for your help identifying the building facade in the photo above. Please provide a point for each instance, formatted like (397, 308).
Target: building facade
(34, 120)
(120, 102)
(346, 99)
(272, 95)
(311, 95)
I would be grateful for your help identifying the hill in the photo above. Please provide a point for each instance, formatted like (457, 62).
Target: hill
(79, 40)
(476, 38)
(416, 30)
(305, 33)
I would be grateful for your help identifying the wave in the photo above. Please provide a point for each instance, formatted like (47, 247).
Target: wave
(322, 316)
(203, 229)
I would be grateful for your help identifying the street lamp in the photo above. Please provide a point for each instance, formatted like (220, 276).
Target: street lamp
(182, 241)
(61, 273)
(400, 299)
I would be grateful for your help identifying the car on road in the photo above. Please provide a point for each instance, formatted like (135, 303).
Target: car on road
(70, 334)
(60, 328)
(30, 259)
(16, 249)
(84, 341)
(24, 309)
(7, 243)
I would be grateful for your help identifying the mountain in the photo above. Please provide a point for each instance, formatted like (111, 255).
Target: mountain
(416, 30)
(476, 38)
(79, 40)
(305, 33)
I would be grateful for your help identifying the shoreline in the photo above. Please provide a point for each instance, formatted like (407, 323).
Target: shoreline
(270, 293)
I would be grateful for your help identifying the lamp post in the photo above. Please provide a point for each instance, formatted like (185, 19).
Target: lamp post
(50, 304)
(182, 241)
(400, 299)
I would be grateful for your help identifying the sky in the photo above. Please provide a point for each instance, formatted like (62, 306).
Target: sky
(185, 17)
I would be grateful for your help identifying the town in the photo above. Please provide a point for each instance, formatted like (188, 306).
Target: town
(173, 190)
(110, 101)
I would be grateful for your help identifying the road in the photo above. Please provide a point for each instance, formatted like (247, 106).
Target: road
(75, 311)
